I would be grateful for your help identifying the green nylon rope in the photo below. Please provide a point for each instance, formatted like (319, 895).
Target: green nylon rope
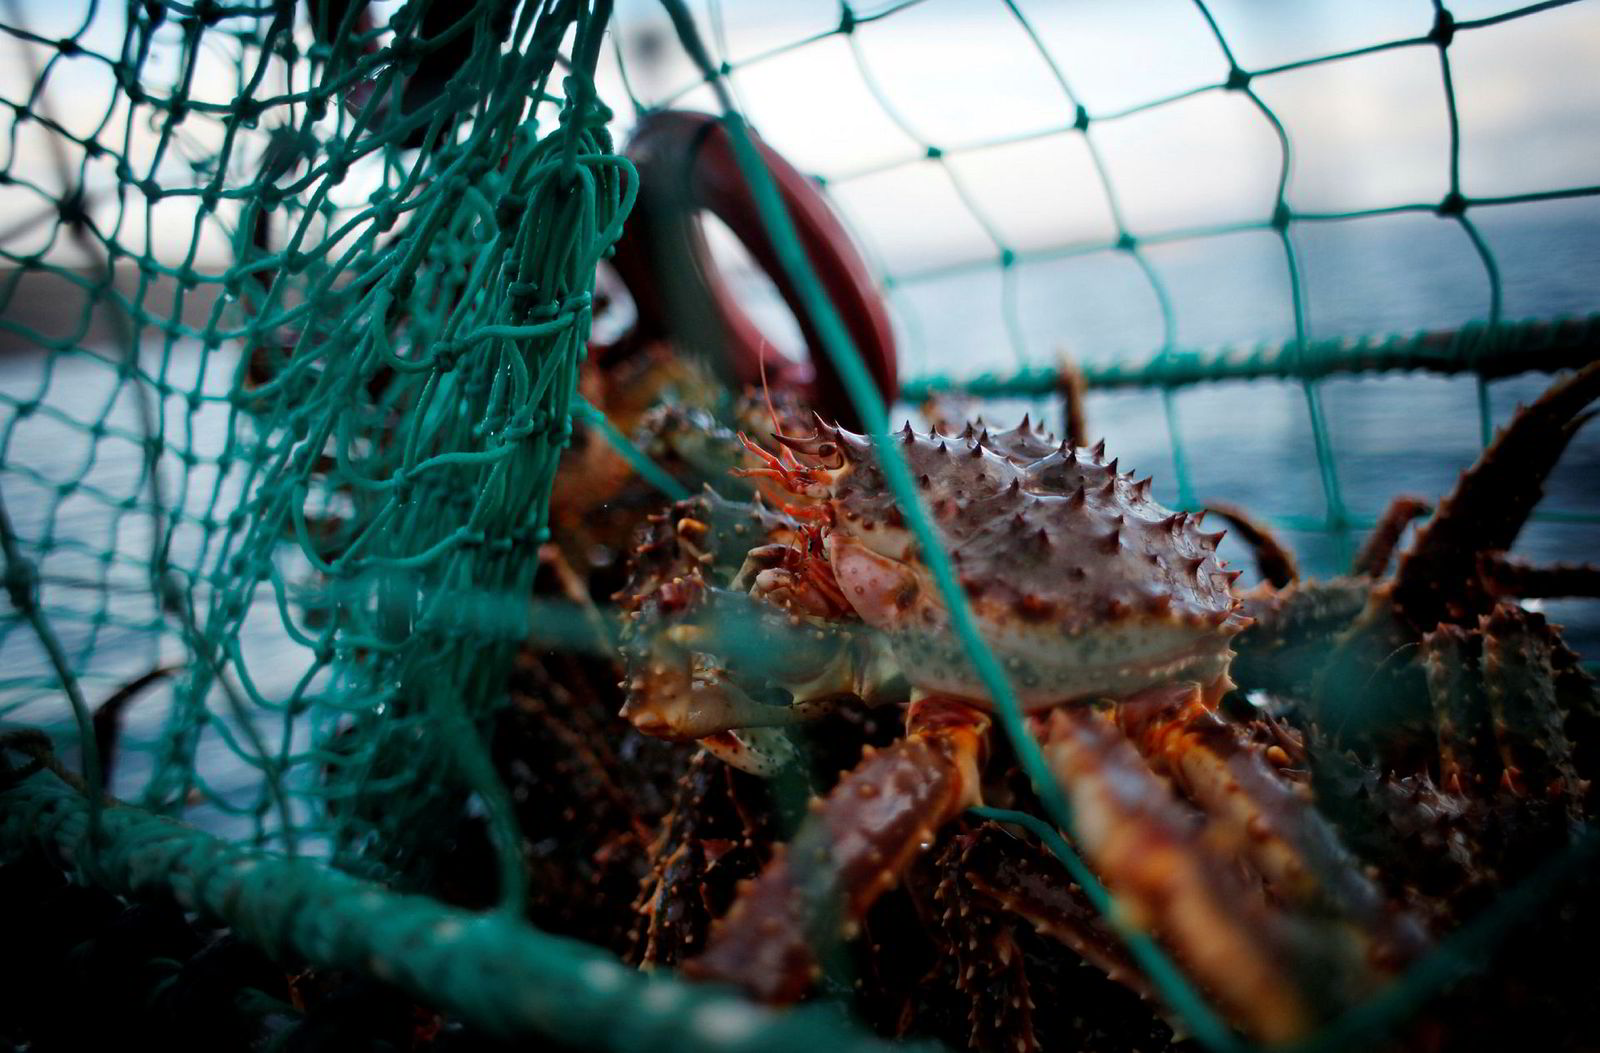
(497, 972)
(1488, 352)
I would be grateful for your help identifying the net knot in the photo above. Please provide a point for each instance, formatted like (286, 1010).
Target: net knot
(207, 12)
(70, 208)
(508, 213)
(446, 353)
(247, 109)
(1238, 79)
(1444, 28)
(577, 303)
(22, 583)
(400, 482)
(1452, 204)
(384, 214)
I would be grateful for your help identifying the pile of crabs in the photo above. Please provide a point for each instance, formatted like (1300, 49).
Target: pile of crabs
(1299, 791)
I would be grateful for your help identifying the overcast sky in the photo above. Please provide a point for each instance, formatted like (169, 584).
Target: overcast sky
(1367, 132)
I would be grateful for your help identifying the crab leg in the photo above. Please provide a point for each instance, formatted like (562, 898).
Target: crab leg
(1460, 711)
(1027, 881)
(980, 952)
(1379, 548)
(1528, 723)
(853, 847)
(1274, 561)
(1073, 387)
(1504, 576)
(1151, 853)
(707, 841)
(1261, 816)
(1437, 580)
(668, 698)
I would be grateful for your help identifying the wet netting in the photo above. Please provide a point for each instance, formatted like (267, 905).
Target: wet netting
(294, 303)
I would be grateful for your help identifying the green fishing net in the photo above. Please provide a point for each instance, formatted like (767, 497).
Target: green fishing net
(293, 303)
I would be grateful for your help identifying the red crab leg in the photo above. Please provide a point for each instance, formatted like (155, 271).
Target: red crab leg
(708, 840)
(1373, 559)
(784, 468)
(1460, 710)
(775, 468)
(1528, 723)
(1027, 881)
(1073, 387)
(1438, 579)
(667, 699)
(1150, 852)
(977, 948)
(1274, 561)
(853, 847)
(1260, 815)
(1504, 576)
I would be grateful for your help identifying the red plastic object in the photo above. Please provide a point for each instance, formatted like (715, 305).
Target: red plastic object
(686, 164)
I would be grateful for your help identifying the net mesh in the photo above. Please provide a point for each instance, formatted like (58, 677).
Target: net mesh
(296, 297)
(314, 381)
(989, 248)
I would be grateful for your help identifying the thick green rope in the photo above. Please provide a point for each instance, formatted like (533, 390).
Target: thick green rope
(1490, 352)
(487, 969)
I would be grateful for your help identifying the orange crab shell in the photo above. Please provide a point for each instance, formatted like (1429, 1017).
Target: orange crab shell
(1083, 584)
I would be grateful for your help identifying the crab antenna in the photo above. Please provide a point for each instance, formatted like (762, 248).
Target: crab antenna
(766, 391)
(786, 457)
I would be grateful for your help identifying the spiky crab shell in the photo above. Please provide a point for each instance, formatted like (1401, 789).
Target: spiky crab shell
(1082, 583)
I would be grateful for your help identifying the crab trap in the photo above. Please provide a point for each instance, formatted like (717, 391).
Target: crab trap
(633, 527)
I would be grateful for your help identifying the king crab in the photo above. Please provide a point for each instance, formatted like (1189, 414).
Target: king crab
(1450, 731)
(1113, 617)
